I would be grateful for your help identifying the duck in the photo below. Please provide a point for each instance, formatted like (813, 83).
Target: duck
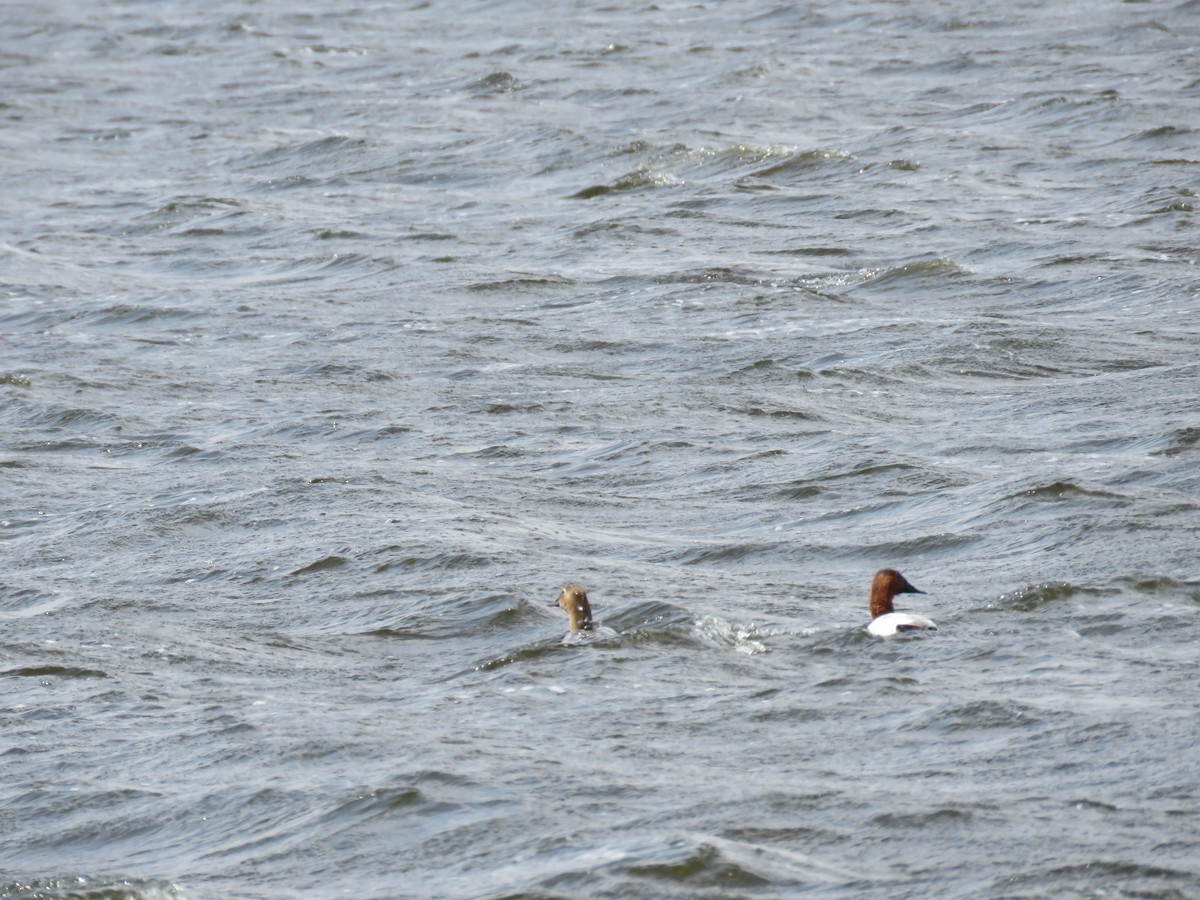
(885, 621)
(573, 598)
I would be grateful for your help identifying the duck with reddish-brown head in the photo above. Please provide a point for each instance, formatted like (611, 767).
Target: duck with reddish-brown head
(885, 621)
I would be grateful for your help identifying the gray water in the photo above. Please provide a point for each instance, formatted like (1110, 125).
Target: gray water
(336, 341)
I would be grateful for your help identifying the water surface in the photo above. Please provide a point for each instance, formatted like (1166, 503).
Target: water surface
(335, 342)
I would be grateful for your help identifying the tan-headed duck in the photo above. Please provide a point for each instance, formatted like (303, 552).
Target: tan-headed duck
(574, 600)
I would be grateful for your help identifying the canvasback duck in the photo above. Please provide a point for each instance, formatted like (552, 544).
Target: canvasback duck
(884, 618)
(579, 616)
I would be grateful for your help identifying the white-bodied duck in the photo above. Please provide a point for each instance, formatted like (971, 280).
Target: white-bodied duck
(885, 620)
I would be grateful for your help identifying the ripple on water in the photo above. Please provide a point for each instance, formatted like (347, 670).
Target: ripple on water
(46, 671)
(93, 887)
(1136, 878)
(1038, 596)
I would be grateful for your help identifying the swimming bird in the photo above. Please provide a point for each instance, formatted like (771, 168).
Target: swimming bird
(884, 619)
(579, 616)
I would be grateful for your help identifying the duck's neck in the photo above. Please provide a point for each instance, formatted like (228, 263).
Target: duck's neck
(580, 616)
(881, 601)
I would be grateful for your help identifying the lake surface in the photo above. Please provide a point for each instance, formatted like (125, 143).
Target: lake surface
(336, 341)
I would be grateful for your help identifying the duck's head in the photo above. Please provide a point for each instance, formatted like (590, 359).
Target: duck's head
(887, 584)
(579, 612)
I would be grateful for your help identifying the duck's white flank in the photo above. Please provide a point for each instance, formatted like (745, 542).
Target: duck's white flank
(885, 621)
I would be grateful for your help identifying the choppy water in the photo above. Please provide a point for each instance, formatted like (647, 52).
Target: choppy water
(336, 341)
